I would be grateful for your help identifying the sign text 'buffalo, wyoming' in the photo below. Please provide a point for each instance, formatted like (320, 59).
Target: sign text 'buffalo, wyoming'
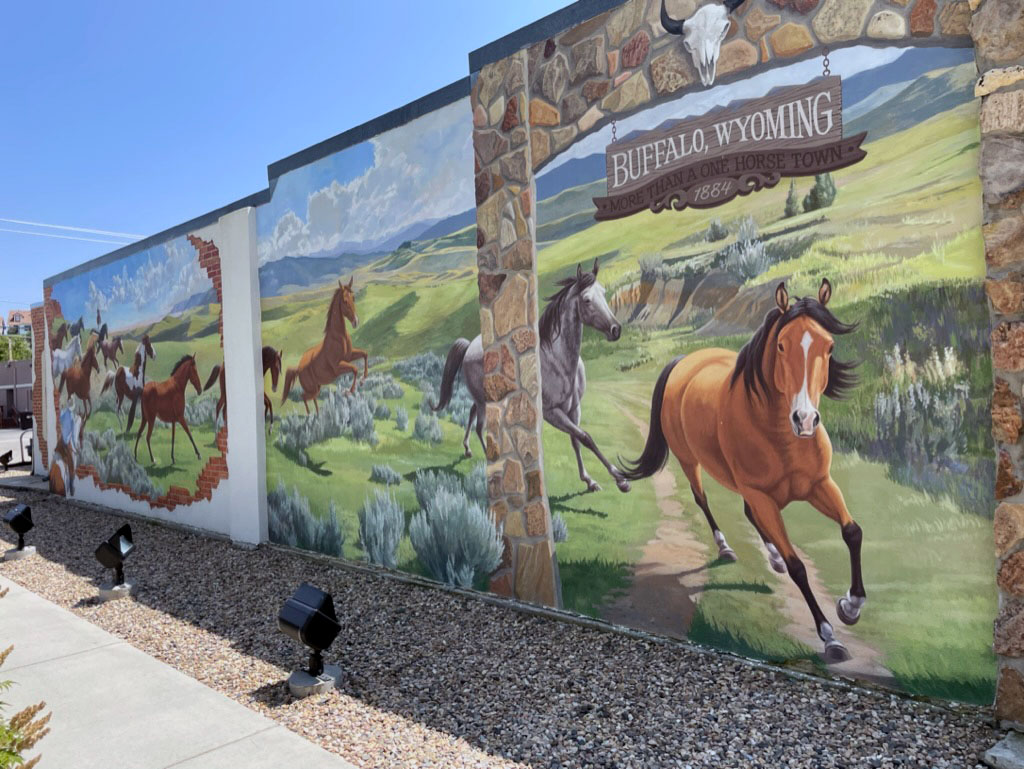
(707, 161)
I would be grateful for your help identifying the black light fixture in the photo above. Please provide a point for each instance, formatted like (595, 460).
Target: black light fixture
(111, 554)
(5, 459)
(309, 617)
(19, 518)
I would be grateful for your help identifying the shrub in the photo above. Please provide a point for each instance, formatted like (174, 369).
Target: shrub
(716, 231)
(115, 463)
(401, 419)
(455, 539)
(290, 522)
(381, 411)
(382, 386)
(341, 413)
(200, 411)
(651, 268)
(427, 428)
(822, 194)
(747, 259)
(747, 232)
(476, 485)
(559, 528)
(381, 524)
(429, 483)
(24, 729)
(384, 474)
(792, 201)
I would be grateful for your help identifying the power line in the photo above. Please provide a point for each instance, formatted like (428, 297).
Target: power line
(62, 237)
(74, 229)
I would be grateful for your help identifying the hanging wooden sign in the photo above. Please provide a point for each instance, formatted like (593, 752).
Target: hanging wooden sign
(707, 161)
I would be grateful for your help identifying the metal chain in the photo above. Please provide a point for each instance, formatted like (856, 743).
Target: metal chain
(614, 138)
(824, 64)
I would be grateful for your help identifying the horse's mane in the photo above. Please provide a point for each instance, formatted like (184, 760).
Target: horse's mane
(841, 377)
(551, 319)
(180, 363)
(333, 310)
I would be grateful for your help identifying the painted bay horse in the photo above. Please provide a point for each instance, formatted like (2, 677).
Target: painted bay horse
(324, 363)
(166, 401)
(128, 381)
(579, 302)
(78, 379)
(752, 422)
(271, 363)
(109, 348)
(60, 336)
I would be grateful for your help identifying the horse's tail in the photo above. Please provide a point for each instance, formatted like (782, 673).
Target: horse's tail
(213, 378)
(60, 387)
(452, 364)
(108, 380)
(289, 380)
(656, 450)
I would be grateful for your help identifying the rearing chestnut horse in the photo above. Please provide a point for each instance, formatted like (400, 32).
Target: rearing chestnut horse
(752, 422)
(166, 401)
(324, 363)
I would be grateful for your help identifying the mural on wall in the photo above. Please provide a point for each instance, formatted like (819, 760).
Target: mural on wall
(367, 274)
(791, 359)
(128, 340)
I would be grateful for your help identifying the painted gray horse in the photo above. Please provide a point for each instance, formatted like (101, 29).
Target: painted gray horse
(579, 302)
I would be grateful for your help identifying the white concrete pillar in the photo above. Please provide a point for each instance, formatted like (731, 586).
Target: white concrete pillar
(243, 363)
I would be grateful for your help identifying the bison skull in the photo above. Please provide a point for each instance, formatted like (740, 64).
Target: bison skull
(703, 34)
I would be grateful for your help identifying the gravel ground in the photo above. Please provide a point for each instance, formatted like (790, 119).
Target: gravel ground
(434, 679)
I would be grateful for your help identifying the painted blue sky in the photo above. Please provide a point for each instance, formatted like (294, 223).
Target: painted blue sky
(141, 288)
(420, 171)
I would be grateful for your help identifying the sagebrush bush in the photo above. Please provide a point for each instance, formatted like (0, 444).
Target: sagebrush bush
(651, 268)
(290, 522)
(559, 528)
(341, 413)
(381, 525)
(201, 410)
(716, 231)
(385, 474)
(428, 483)
(381, 411)
(382, 386)
(115, 463)
(476, 485)
(424, 371)
(454, 539)
(401, 419)
(747, 259)
(427, 428)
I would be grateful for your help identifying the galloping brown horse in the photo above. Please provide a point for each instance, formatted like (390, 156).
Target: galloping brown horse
(271, 363)
(752, 422)
(109, 348)
(77, 379)
(324, 363)
(166, 401)
(60, 336)
(128, 381)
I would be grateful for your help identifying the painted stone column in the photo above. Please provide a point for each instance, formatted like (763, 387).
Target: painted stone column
(998, 30)
(506, 258)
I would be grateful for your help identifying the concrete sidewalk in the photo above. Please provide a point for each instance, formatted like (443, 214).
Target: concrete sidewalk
(115, 706)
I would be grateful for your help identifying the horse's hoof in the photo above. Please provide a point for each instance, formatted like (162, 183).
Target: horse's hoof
(835, 653)
(593, 486)
(467, 454)
(847, 612)
(777, 564)
(728, 554)
(623, 485)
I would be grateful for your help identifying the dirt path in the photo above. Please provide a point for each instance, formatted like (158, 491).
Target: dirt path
(671, 573)
(866, 662)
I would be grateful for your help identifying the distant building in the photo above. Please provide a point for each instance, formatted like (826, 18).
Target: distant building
(15, 388)
(18, 322)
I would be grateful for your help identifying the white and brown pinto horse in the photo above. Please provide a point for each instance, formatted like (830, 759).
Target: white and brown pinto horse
(128, 381)
(751, 421)
(65, 454)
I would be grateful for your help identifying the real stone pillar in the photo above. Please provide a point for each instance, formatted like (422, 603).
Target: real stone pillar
(507, 261)
(998, 30)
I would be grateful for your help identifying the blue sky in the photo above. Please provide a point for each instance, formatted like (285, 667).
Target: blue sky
(133, 117)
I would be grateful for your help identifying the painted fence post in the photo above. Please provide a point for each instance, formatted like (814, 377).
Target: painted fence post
(507, 260)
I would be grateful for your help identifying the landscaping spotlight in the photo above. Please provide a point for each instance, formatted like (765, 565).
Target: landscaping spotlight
(111, 555)
(19, 518)
(309, 617)
(5, 459)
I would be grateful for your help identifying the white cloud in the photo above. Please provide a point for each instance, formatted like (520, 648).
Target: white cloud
(169, 275)
(421, 171)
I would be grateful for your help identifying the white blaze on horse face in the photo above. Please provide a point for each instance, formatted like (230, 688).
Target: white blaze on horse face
(703, 34)
(595, 312)
(804, 414)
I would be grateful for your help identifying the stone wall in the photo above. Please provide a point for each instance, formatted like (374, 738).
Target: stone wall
(997, 27)
(623, 60)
